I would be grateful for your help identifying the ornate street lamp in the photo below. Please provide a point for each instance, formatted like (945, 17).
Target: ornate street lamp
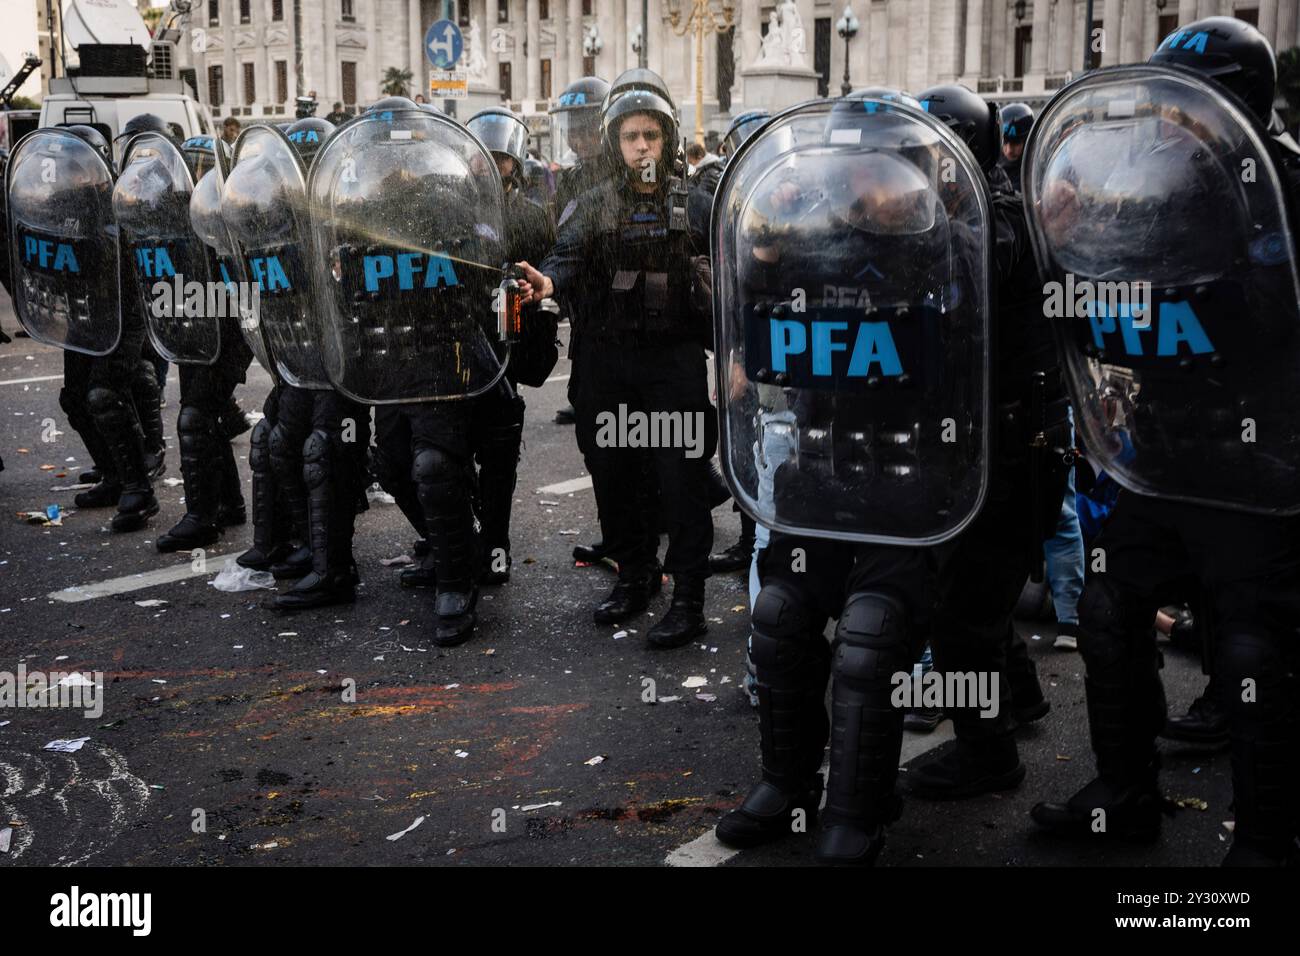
(702, 21)
(847, 27)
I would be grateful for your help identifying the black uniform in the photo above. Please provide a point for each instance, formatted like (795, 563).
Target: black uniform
(627, 256)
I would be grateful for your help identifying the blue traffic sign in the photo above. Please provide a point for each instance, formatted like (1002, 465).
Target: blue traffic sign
(443, 44)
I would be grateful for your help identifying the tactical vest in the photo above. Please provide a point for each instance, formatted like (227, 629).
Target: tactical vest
(645, 242)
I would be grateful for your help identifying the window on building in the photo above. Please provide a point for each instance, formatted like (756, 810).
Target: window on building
(462, 10)
(587, 10)
(546, 79)
(822, 54)
(1167, 24)
(504, 81)
(1250, 15)
(346, 11)
(545, 7)
(349, 78)
(503, 13)
(216, 86)
(250, 84)
(1024, 44)
(1095, 43)
(282, 81)
(214, 13)
(277, 10)
(588, 66)
(245, 11)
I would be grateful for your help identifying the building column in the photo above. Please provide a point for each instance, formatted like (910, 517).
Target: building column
(368, 80)
(1286, 27)
(1186, 12)
(560, 58)
(533, 81)
(231, 79)
(1061, 57)
(917, 64)
(415, 42)
(1111, 38)
(576, 30)
(973, 58)
(1042, 38)
(491, 10)
(1131, 48)
(659, 34)
(1268, 20)
(1207, 8)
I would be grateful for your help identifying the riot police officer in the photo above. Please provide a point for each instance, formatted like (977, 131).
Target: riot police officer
(1186, 399)
(320, 437)
(625, 250)
(1017, 122)
(68, 252)
(152, 204)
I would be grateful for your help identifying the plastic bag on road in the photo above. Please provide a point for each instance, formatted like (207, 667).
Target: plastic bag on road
(234, 578)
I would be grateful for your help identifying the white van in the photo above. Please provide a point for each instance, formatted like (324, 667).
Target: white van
(109, 102)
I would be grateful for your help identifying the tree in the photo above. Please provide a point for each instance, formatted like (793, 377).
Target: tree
(396, 82)
(1288, 84)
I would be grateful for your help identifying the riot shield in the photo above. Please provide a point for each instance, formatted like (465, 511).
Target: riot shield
(406, 211)
(851, 244)
(64, 242)
(264, 207)
(206, 221)
(183, 307)
(1161, 227)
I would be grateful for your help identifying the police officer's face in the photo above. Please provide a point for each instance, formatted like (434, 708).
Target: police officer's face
(584, 140)
(640, 138)
(506, 166)
(1012, 151)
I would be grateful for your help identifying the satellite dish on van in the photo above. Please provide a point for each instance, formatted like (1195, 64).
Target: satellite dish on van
(5, 72)
(104, 21)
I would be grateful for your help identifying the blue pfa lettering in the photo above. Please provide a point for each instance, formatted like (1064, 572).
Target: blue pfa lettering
(56, 256)
(154, 262)
(1176, 325)
(269, 273)
(405, 266)
(872, 346)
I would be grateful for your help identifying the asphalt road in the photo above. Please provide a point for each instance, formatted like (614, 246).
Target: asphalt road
(226, 737)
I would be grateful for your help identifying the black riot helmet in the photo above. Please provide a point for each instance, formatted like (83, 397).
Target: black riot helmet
(145, 123)
(200, 154)
(1017, 121)
(974, 120)
(94, 137)
(639, 78)
(650, 104)
(501, 132)
(308, 136)
(392, 103)
(741, 128)
(575, 121)
(1230, 51)
(304, 107)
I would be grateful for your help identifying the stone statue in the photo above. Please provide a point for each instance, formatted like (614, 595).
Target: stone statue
(476, 63)
(784, 44)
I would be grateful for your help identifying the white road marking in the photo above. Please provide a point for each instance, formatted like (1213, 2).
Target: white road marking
(553, 378)
(564, 487)
(705, 850)
(134, 582)
(27, 381)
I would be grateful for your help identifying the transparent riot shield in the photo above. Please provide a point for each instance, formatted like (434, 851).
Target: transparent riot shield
(851, 314)
(1160, 222)
(64, 243)
(205, 219)
(406, 212)
(264, 207)
(183, 306)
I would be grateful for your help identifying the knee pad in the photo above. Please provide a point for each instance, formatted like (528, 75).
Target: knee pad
(282, 446)
(259, 448)
(871, 638)
(1108, 620)
(193, 420)
(316, 458)
(781, 634)
(1262, 658)
(433, 466)
(103, 401)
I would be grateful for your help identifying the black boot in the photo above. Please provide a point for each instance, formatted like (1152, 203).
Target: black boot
(1027, 701)
(145, 394)
(115, 418)
(230, 510)
(270, 524)
(441, 483)
(331, 579)
(565, 415)
(424, 575)
(590, 553)
(631, 596)
(92, 476)
(735, 558)
(685, 617)
(866, 729)
(791, 661)
(969, 768)
(298, 563)
(198, 528)
(103, 495)
(1206, 722)
(1127, 808)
